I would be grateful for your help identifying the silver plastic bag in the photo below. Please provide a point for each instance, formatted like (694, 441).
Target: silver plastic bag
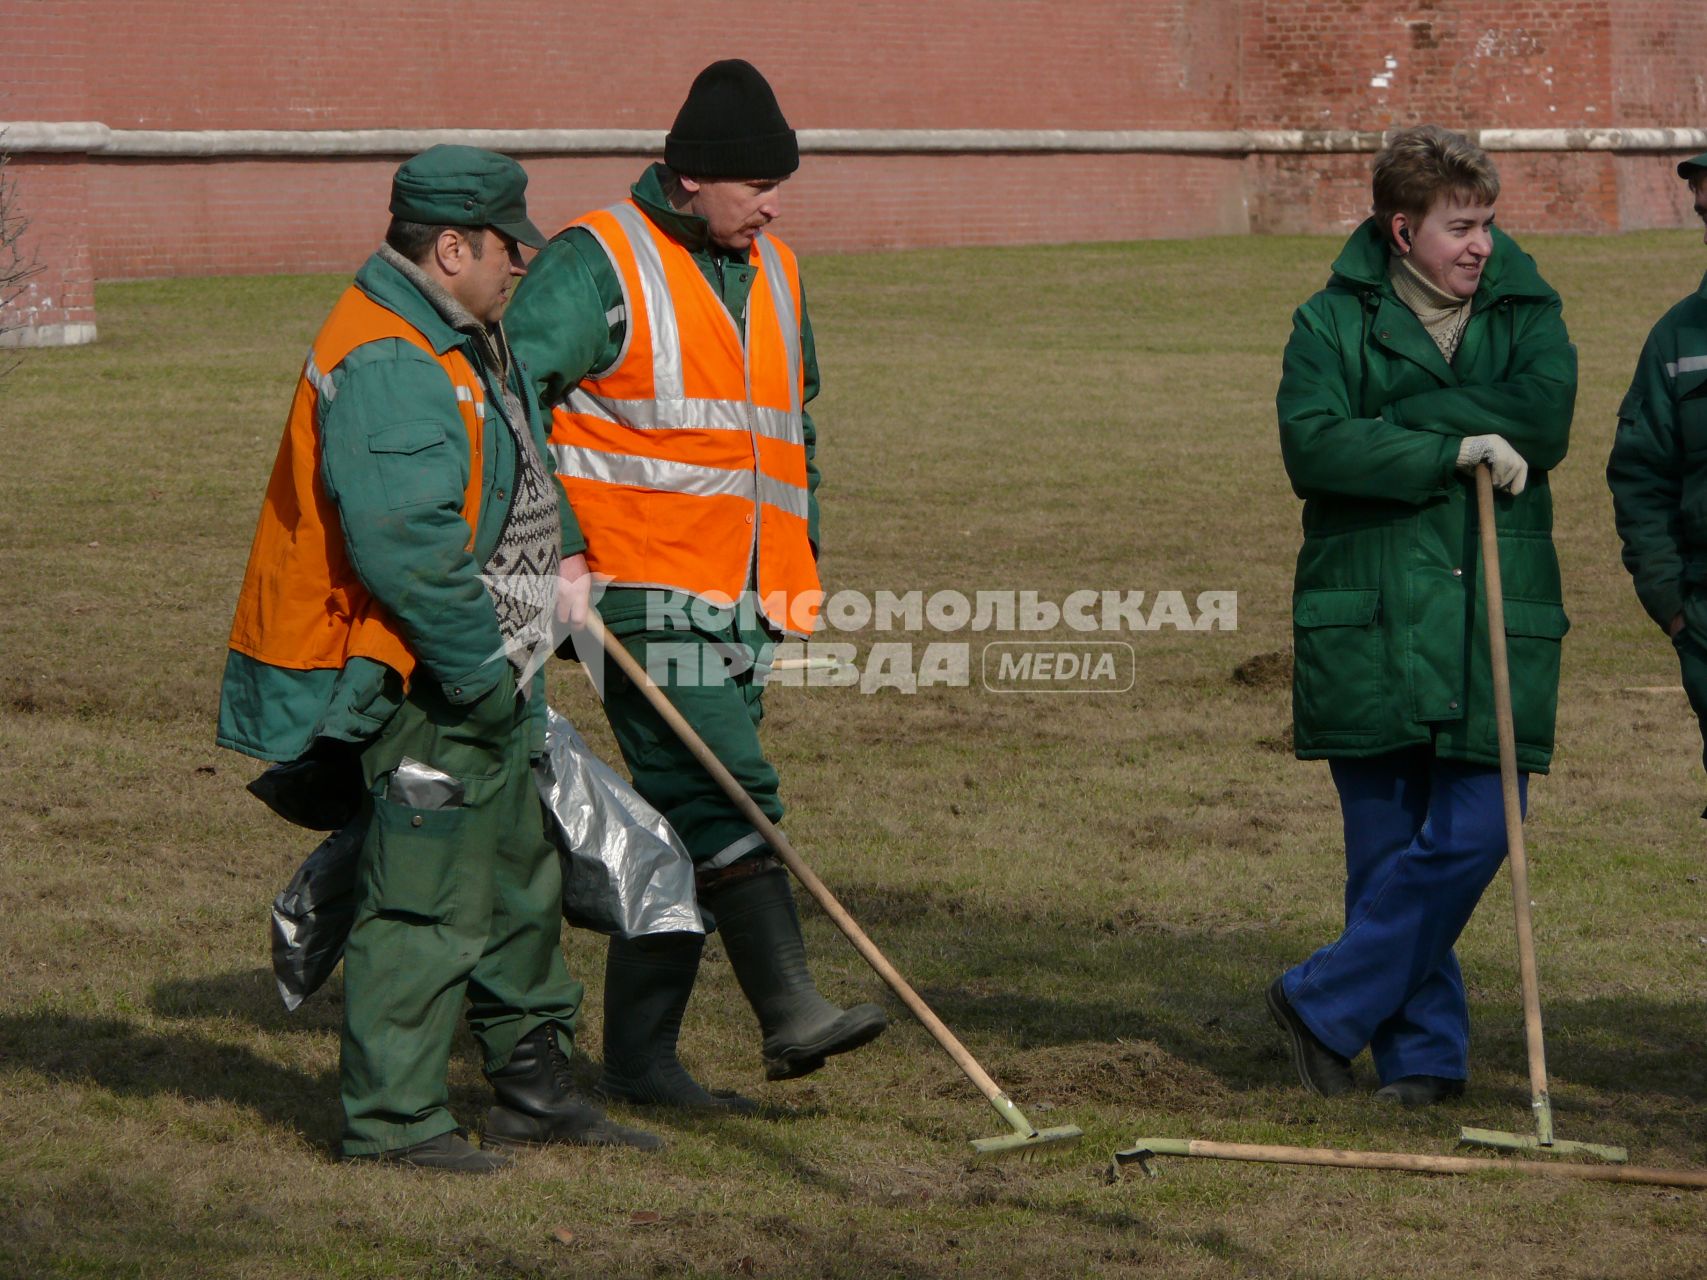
(625, 870)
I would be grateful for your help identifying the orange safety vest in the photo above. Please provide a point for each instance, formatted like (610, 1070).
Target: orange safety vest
(685, 461)
(302, 605)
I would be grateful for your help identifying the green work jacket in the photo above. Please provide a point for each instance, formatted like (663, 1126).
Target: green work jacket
(412, 556)
(1389, 624)
(566, 321)
(1658, 468)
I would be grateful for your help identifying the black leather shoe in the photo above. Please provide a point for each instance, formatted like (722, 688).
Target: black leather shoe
(537, 1102)
(449, 1152)
(1320, 1070)
(1420, 1091)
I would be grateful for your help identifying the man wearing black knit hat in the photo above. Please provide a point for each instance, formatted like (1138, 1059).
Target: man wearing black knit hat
(668, 336)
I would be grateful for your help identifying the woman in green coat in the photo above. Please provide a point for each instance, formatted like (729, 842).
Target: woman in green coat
(1436, 346)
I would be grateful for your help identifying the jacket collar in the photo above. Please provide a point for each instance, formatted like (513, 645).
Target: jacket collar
(1510, 273)
(394, 291)
(485, 346)
(1703, 290)
(687, 229)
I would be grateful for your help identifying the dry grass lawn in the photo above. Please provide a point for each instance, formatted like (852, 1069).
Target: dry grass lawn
(1092, 890)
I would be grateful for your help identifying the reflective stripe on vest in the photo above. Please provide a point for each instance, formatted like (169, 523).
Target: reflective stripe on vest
(685, 461)
(301, 605)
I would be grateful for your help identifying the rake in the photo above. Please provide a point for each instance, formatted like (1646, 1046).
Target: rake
(1145, 1150)
(1026, 1141)
(1542, 1140)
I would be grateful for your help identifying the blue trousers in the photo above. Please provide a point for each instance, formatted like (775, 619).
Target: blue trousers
(1423, 839)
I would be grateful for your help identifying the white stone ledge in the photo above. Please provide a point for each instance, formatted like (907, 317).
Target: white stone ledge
(26, 137)
(47, 335)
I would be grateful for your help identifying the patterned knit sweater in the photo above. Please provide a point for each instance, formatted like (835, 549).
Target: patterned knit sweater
(521, 574)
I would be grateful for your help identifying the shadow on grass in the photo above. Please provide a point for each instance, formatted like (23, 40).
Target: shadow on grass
(1197, 995)
(252, 996)
(128, 1060)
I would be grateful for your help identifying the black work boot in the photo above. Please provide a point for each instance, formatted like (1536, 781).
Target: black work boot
(1320, 1070)
(647, 985)
(1420, 1091)
(761, 932)
(448, 1153)
(537, 1103)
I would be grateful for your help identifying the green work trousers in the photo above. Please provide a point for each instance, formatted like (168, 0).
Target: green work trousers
(703, 675)
(465, 899)
(1692, 659)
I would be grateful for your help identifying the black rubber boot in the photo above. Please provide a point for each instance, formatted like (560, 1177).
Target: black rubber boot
(647, 985)
(761, 932)
(537, 1103)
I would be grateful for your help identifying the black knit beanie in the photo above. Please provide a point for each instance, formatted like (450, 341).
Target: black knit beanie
(731, 127)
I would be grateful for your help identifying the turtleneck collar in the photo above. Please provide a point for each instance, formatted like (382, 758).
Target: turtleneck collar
(1442, 313)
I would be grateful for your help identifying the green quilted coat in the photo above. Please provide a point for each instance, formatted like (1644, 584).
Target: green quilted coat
(1389, 624)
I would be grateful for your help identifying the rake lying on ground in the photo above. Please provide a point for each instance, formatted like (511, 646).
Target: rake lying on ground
(1543, 1140)
(1147, 1149)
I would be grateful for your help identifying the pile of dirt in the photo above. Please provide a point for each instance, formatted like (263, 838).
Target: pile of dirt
(1130, 1072)
(1265, 671)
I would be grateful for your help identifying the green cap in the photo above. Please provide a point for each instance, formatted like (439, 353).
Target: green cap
(1692, 166)
(457, 186)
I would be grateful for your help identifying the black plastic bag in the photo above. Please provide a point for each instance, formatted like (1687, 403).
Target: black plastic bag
(313, 913)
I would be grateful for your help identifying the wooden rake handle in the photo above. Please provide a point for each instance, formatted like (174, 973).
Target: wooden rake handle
(1513, 806)
(785, 851)
(1149, 1148)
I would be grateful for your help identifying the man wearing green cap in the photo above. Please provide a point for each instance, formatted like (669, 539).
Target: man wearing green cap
(412, 547)
(1658, 474)
(669, 337)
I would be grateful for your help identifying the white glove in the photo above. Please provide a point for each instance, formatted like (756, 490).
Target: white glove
(1511, 472)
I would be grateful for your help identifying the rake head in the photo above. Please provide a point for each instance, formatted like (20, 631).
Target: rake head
(1036, 1145)
(1027, 1141)
(1500, 1140)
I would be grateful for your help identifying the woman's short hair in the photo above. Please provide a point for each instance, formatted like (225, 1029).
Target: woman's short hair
(1420, 165)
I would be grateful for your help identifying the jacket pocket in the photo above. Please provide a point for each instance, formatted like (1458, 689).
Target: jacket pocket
(414, 463)
(1533, 631)
(1337, 664)
(413, 867)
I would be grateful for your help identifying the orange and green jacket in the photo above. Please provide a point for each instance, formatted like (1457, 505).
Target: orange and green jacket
(388, 495)
(573, 326)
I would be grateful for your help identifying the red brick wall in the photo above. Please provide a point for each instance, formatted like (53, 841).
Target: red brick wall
(50, 193)
(1659, 73)
(1030, 64)
(1522, 64)
(43, 76)
(1360, 65)
(1091, 64)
